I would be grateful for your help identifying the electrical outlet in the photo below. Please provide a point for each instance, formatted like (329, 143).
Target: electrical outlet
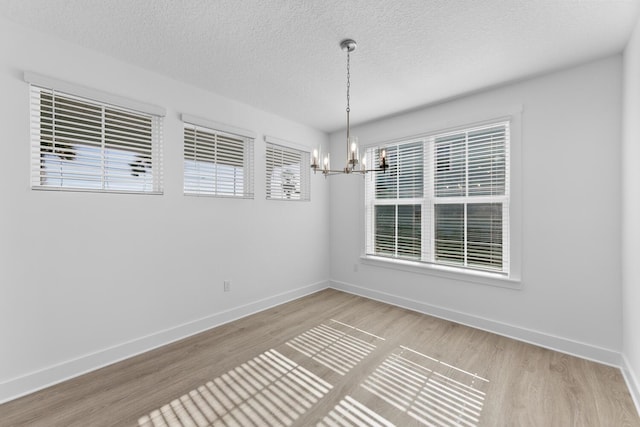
(355, 268)
(227, 285)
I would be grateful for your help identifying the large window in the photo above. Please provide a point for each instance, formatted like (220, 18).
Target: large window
(217, 163)
(81, 144)
(444, 200)
(287, 172)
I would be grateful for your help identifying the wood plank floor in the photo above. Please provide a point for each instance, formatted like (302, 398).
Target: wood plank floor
(334, 359)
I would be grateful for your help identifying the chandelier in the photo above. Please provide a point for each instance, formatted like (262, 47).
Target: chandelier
(354, 164)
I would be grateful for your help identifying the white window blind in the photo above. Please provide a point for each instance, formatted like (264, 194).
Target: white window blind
(471, 202)
(82, 144)
(217, 163)
(444, 200)
(287, 172)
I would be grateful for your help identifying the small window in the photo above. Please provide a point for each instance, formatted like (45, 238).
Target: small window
(287, 173)
(217, 163)
(81, 144)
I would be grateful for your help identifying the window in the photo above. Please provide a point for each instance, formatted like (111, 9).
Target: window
(217, 163)
(287, 172)
(444, 200)
(81, 144)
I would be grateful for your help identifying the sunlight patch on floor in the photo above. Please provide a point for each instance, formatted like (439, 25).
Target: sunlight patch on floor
(430, 391)
(349, 412)
(269, 390)
(336, 345)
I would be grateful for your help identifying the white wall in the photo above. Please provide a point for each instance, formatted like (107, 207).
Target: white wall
(630, 214)
(86, 279)
(570, 297)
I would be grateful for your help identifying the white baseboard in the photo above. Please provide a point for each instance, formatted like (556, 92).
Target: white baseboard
(564, 345)
(49, 376)
(632, 380)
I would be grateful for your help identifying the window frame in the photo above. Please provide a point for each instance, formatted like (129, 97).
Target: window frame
(107, 150)
(245, 136)
(512, 278)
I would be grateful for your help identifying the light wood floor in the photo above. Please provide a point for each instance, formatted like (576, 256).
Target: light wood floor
(337, 359)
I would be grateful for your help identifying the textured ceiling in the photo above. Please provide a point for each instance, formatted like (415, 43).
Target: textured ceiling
(283, 56)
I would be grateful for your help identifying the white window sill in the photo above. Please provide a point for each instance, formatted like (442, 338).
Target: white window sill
(484, 278)
(94, 190)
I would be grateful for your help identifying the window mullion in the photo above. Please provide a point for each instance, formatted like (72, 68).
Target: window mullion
(397, 204)
(465, 252)
(103, 149)
(395, 234)
(216, 164)
(196, 146)
(428, 240)
(54, 124)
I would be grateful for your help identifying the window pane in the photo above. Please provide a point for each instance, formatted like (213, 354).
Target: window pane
(71, 171)
(398, 230)
(385, 230)
(387, 182)
(449, 233)
(410, 170)
(127, 151)
(487, 162)
(405, 176)
(450, 168)
(409, 231)
(484, 235)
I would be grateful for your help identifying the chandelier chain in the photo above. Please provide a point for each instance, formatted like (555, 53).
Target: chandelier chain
(348, 81)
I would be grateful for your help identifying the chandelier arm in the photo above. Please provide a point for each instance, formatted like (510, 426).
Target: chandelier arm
(332, 172)
(342, 172)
